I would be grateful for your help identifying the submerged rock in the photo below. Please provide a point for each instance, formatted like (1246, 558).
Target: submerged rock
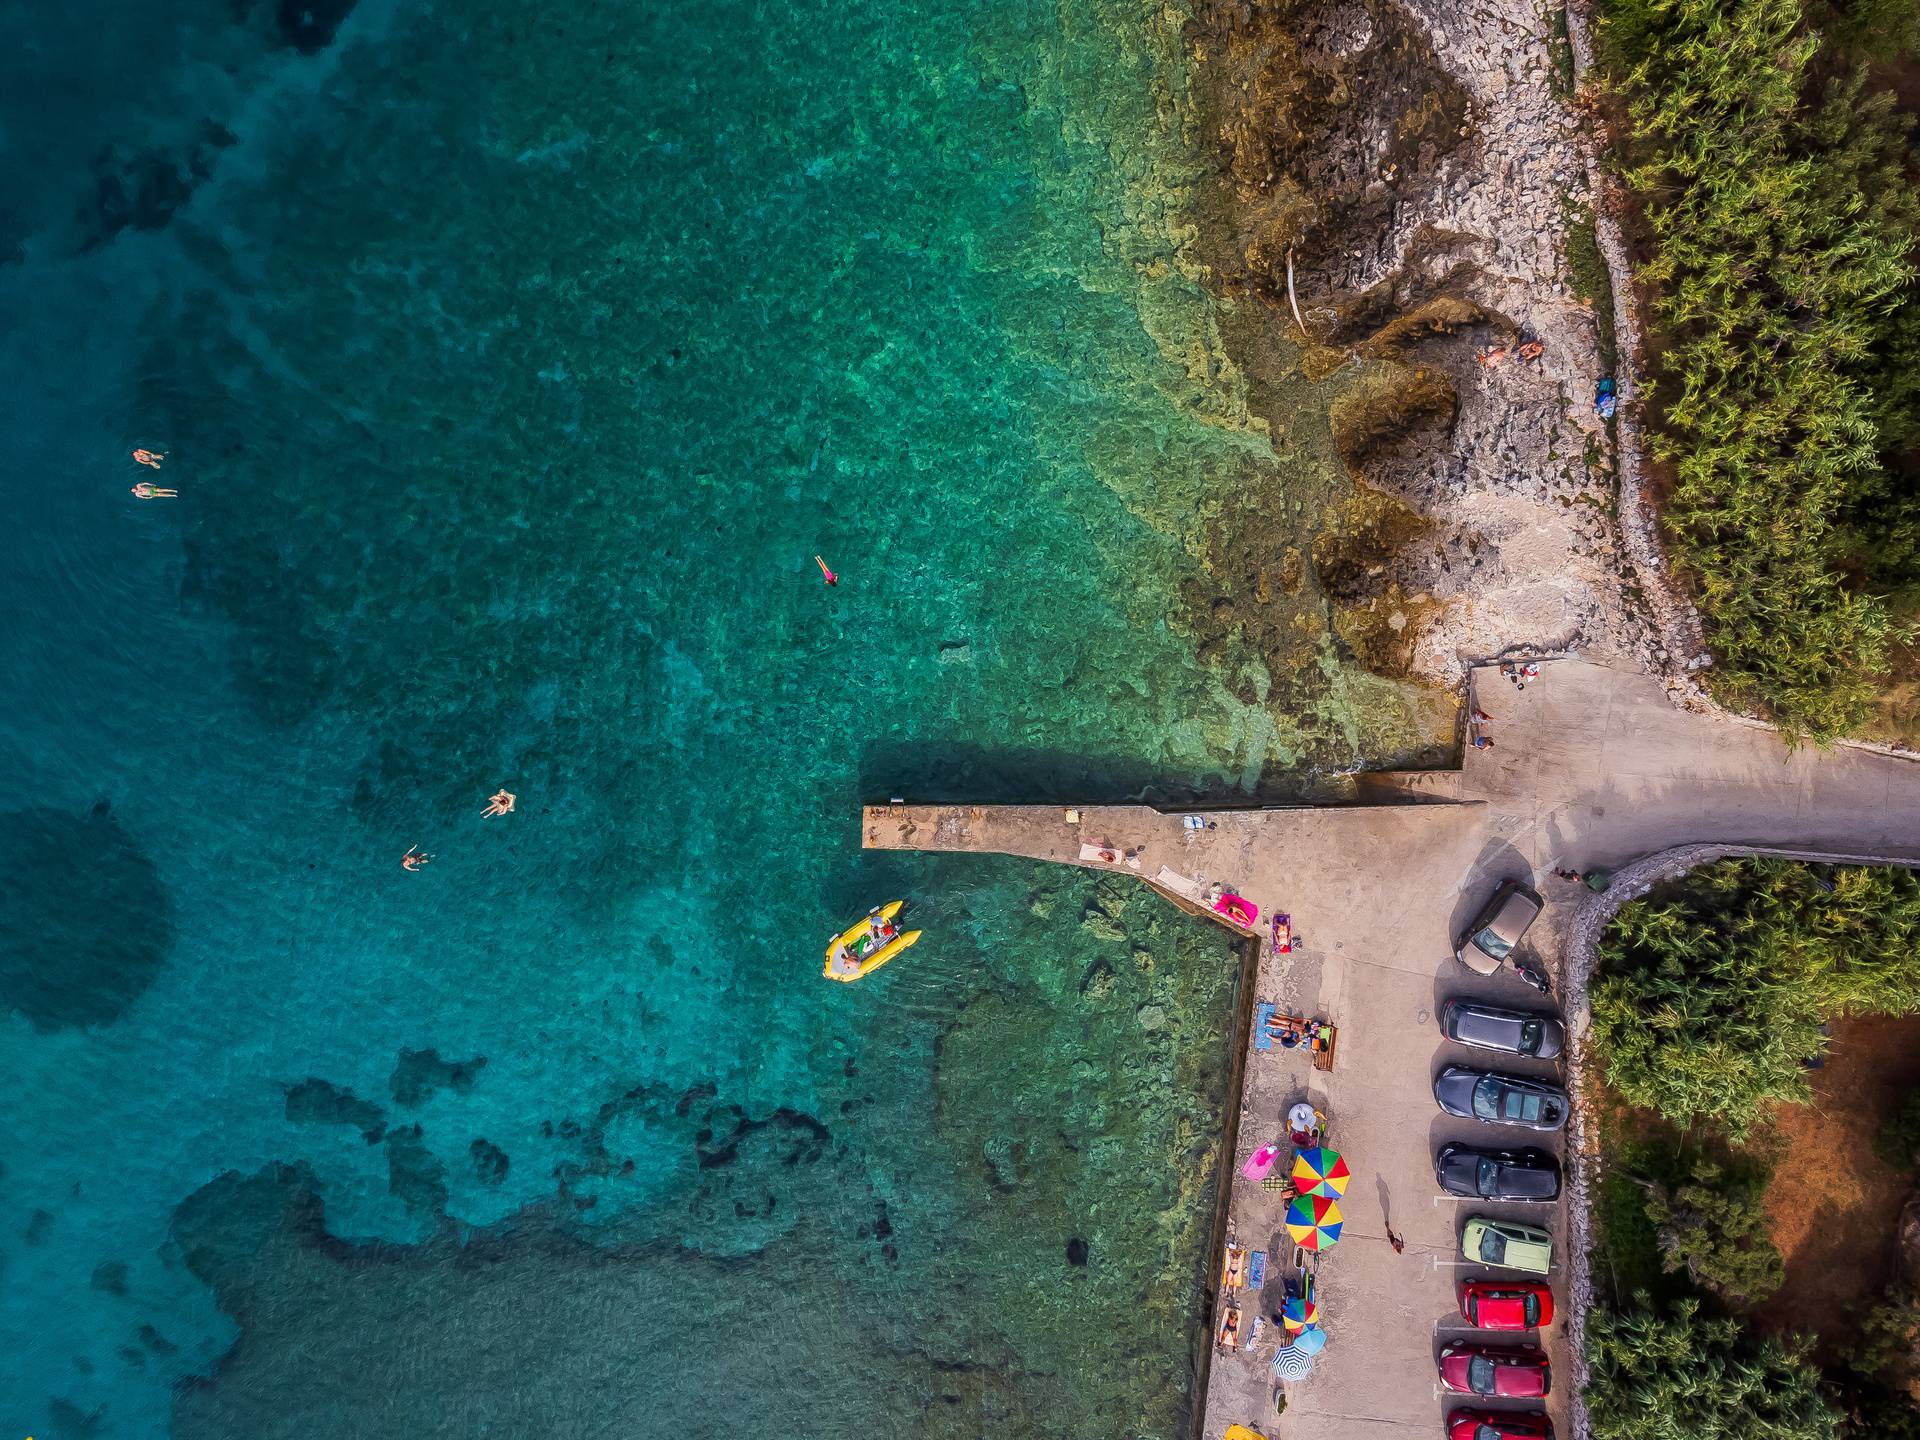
(88, 924)
(421, 1073)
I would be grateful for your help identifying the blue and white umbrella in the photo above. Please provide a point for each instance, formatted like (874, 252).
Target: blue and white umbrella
(1292, 1363)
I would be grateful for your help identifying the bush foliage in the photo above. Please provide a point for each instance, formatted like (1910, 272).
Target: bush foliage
(1714, 1228)
(1779, 225)
(1711, 994)
(1672, 1375)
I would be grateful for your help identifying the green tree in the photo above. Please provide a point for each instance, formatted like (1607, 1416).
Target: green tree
(1712, 993)
(1715, 1228)
(1779, 226)
(1673, 1375)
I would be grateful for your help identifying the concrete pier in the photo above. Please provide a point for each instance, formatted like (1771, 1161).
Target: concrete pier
(1590, 767)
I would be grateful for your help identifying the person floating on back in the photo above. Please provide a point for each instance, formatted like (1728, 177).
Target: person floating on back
(826, 574)
(498, 804)
(414, 858)
(150, 458)
(146, 491)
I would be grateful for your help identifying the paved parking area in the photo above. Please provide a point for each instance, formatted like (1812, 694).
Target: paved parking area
(1591, 767)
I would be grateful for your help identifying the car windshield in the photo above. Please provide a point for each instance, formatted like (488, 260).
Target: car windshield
(1486, 1098)
(1491, 943)
(1480, 1375)
(1520, 1106)
(1484, 1431)
(1530, 1033)
(1487, 1175)
(1493, 1246)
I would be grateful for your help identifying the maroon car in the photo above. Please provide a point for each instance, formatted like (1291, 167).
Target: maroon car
(1506, 1304)
(1519, 1373)
(1496, 1425)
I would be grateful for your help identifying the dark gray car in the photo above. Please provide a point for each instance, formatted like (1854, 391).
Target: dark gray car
(1497, 1174)
(1500, 1099)
(1489, 1027)
(1490, 940)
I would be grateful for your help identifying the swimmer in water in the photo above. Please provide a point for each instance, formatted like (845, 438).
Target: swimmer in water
(414, 858)
(150, 457)
(154, 492)
(498, 804)
(826, 574)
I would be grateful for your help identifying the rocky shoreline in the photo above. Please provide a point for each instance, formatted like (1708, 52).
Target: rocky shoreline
(1407, 186)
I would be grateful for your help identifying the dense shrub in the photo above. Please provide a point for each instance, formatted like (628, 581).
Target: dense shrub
(1711, 994)
(1779, 228)
(1714, 1228)
(1672, 1375)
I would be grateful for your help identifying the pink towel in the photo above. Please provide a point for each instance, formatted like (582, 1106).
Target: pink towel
(1260, 1162)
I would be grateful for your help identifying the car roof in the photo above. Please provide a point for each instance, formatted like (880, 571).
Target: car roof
(1514, 914)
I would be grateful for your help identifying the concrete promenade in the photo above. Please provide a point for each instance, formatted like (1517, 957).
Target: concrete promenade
(1590, 767)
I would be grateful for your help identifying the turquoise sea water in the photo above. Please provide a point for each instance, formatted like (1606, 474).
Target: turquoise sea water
(513, 363)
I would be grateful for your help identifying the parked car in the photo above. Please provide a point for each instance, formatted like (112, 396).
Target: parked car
(1488, 1027)
(1490, 939)
(1508, 1244)
(1506, 1304)
(1500, 1099)
(1498, 1425)
(1497, 1174)
(1505, 1372)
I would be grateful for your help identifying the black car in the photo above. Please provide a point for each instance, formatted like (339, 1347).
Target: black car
(1489, 1027)
(1497, 1174)
(1500, 1099)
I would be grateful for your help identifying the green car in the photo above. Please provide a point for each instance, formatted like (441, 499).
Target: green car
(1508, 1244)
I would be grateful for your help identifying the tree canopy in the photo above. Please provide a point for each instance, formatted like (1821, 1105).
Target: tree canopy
(1674, 1375)
(1711, 994)
(1779, 227)
(1714, 1227)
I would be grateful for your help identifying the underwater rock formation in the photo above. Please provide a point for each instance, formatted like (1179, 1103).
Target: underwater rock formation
(88, 924)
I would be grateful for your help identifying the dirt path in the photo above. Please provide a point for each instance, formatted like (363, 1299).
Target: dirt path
(1832, 1202)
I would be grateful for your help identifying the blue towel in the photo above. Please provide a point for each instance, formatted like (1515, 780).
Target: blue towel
(1257, 1269)
(1262, 1019)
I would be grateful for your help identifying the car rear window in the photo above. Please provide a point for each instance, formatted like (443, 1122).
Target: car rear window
(1480, 1375)
(1532, 1307)
(1486, 1432)
(1530, 1033)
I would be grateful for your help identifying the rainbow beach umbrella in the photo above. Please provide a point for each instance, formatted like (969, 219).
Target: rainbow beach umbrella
(1314, 1221)
(1320, 1171)
(1299, 1311)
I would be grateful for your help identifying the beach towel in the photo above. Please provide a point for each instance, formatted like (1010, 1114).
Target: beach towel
(1263, 1025)
(1260, 1163)
(1257, 1269)
(1179, 884)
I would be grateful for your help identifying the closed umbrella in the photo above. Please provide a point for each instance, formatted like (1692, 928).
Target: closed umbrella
(1314, 1222)
(1320, 1171)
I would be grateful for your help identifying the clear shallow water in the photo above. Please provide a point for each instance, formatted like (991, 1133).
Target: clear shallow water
(513, 367)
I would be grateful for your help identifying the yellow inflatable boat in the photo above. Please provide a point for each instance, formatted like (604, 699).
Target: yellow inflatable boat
(864, 947)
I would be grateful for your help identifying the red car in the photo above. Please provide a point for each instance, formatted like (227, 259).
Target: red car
(1506, 1304)
(1494, 1425)
(1510, 1374)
